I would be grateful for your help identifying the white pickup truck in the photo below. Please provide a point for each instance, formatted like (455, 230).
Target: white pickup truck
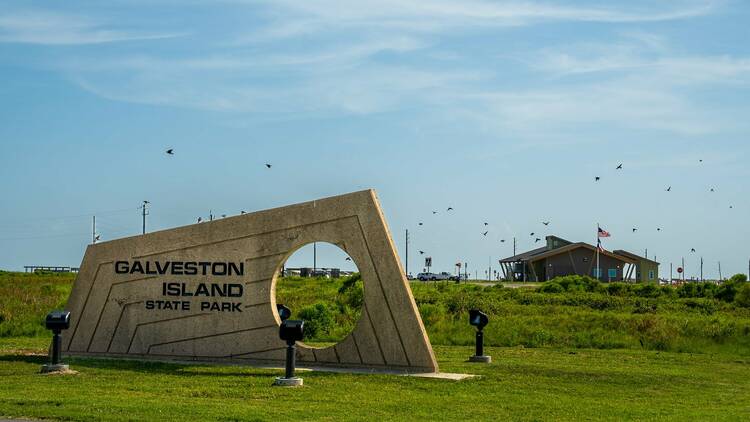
(433, 276)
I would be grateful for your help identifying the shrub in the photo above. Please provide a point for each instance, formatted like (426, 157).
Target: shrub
(738, 278)
(727, 291)
(648, 290)
(618, 289)
(551, 287)
(742, 298)
(318, 320)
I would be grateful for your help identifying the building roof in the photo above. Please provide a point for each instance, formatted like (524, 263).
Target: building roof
(544, 252)
(525, 255)
(634, 256)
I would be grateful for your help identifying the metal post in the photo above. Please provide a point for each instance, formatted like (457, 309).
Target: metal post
(701, 268)
(683, 269)
(144, 214)
(315, 257)
(56, 346)
(93, 229)
(290, 360)
(479, 344)
(720, 271)
(407, 253)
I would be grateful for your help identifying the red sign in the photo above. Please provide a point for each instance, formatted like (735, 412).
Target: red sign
(679, 270)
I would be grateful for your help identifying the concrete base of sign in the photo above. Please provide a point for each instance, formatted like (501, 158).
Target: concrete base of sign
(443, 376)
(60, 367)
(288, 382)
(480, 359)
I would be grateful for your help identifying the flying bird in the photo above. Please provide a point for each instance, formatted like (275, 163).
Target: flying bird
(658, 229)
(97, 237)
(692, 249)
(669, 189)
(421, 252)
(146, 202)
(546, 223)
(502, 240)
(537, 239)
(531, 234)
(268, 165)
(485, 223)
(170, 151)
(450, 209)
(485, 233)
(242, 211)
(700, 161)
(434, 212)
(420, 224)
(731, 206)
(712, 189)
(347, 259)
(200, 219)
(634, 229)
(619, 167)
(597, 178)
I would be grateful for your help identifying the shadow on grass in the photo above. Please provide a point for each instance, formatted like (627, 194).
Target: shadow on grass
(197, 369)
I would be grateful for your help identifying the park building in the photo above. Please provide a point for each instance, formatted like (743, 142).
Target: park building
(560, 257)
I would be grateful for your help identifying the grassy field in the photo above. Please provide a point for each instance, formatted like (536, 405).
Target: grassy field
(572, 353)
(521, 384)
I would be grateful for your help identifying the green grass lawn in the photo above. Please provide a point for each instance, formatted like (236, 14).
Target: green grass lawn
(602, 353)
(521, 384)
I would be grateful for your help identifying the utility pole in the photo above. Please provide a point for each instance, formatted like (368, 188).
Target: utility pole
(701, 268)
(315, 257)
(144, 213)
(466, 270)
(407, 253)
(93, 230)
(720, 271)
(683, 269)
(670, 273)
(489, 268)
(514, 246)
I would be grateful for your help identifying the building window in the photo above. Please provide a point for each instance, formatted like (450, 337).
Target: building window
(612, 273)
(651, 275)
(597, 272)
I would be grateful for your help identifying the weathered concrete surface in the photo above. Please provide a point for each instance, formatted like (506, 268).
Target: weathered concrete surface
(108, 304)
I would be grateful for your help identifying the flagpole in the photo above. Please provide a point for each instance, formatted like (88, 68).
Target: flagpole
(598, 274)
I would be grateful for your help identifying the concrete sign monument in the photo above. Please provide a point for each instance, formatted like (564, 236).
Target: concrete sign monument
(207, 291)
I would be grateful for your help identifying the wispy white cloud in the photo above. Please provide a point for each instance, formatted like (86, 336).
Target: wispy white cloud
(55, 28)
(304, 17)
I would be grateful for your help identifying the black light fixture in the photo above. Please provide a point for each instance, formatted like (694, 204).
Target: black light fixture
(479, 319)
(290, 331)
(283, 311)
(56, 321)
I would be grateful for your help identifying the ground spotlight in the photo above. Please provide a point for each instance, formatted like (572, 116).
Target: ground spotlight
(283, 311)
(56, 321)
(290, 331)
(479, 319)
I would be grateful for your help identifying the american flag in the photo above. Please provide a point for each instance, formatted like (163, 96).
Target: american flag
(599, 245)
(603, 233)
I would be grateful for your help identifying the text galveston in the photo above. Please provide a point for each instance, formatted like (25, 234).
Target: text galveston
(180, 268)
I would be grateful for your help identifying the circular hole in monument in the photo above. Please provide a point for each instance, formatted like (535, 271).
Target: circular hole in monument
(321, 285)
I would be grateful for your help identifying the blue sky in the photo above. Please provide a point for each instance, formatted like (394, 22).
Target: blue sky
(505, 111)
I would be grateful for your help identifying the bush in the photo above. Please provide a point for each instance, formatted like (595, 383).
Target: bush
(318, 320)
(618, 289)
(727, 291)
(742, 298)
(738, 278)
(551, 287)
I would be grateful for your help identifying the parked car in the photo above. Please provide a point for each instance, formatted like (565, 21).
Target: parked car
(433, 276)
